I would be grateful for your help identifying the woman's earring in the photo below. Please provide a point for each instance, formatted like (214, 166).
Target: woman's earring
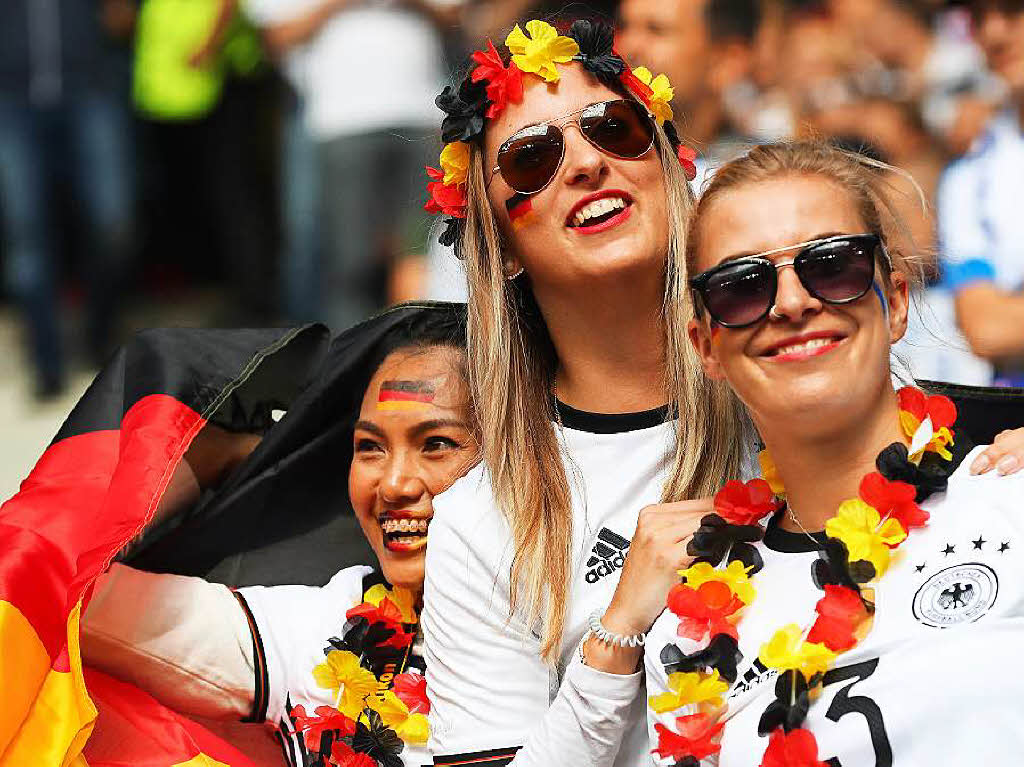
(511, 277)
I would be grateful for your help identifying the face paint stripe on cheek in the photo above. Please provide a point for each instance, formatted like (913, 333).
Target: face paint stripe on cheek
(520, 208)
(881, 298)
(404, 395)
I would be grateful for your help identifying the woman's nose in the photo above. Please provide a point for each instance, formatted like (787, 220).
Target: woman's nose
(400, 481)
(583, 163)
(792, 301)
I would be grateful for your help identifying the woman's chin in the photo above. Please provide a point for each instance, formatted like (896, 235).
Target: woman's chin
(407, 574)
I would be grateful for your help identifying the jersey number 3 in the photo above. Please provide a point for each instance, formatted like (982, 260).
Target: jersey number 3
(843, 703)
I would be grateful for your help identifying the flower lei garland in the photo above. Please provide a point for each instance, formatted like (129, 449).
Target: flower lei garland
(377, 710)
(857, 551)
(492, 84)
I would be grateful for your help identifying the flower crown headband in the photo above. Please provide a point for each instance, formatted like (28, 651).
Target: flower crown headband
(491, 85)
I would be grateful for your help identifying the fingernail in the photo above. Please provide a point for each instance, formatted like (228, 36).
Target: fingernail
(1006, 464)
(981, 464)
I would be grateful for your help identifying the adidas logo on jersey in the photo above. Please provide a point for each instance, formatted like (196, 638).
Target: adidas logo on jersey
(607, 556)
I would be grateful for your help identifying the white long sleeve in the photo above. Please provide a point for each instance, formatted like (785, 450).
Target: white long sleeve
(492, 696)
(489, 689)
(184, 640)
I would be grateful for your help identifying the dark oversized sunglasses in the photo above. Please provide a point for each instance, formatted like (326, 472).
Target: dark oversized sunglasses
(836, 270)
(530, 157)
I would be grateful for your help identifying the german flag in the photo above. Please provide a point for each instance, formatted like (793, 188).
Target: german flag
(92, 492)
(404, 395)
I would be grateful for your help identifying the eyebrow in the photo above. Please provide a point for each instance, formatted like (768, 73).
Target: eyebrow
(763, 253)
(421, 427)
(437, 423)
(370, 427)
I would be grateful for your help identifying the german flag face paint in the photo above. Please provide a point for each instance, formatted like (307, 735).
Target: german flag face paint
(520, 210)
(405, 395)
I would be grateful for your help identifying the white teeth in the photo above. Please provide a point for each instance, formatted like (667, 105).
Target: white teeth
(814, 343)
(598, 208)
(415, 526)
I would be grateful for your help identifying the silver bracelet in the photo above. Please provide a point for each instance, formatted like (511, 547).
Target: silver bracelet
(606, 636)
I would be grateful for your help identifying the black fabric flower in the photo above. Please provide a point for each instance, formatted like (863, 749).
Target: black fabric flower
(715, 537)
(464, 110)
(687, 761)
(789, 709)
(360, 637)
(452, 234)
(377, 740)
(834, 568)
(595, 40)
(673, 137)
(722, 653)
(933, 472)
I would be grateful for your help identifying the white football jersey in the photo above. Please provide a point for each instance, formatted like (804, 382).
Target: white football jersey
(935, 680)
(492, 696)
(292, 626)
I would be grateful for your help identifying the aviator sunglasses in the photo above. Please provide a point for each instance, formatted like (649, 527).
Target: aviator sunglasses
(530, 157)
(836, 270)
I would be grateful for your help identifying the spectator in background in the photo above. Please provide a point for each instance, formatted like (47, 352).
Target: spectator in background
(363, 70)
(63, 126)
(924, 57)
(206, 103)
(981, 228)
(707, 49)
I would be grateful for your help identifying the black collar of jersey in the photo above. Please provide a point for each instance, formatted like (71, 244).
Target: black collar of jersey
(610, 423)
(788, 542)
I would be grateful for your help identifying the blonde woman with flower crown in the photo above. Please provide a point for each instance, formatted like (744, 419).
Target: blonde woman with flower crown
(863, 604)
(565, 188)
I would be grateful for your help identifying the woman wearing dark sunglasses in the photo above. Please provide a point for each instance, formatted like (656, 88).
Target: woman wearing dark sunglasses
(888, 590)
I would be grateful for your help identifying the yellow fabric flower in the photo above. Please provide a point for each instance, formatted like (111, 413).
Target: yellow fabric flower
(455, 163)
(402, 598)
(860, 527)
(937, 442)
(689, 688)
(770, 473)
(539, 52)
(786, 650)
(734, 576)
(341, 672)
(412, 728)
(661, 98)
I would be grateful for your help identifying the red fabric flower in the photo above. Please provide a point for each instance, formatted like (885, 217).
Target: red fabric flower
(327, 719)
(893, 499)
(686, 157)
(504, 84)
(388, 614)
(745, 504)
(795, 749)
(694, 737)
(634, 84)
(342, 755)
(704, 610)
(411, 689)
(447, 199)
(941, 409)
(840, 612)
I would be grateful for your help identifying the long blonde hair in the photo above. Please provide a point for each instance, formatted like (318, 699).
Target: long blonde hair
(512, 363)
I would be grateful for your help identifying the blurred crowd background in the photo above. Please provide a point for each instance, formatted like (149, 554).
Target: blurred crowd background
(252, 162)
